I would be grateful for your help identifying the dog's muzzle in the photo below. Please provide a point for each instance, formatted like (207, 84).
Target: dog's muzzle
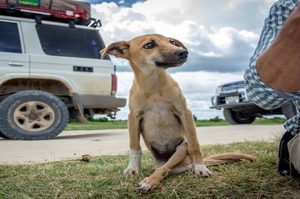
(172, 59)
(182, 53)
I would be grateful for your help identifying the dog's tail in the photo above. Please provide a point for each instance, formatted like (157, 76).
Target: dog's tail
(225, 158)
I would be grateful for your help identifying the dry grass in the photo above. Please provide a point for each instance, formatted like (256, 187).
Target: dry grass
(102, 177)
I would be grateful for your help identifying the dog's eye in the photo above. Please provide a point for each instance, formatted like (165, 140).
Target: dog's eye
(173, 42)
(149, 45)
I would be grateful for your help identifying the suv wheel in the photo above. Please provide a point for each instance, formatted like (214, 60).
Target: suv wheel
(3, 136)
(233, 117)
(32, 115)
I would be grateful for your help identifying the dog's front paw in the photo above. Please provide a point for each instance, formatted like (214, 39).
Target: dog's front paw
(202, 170)
(147, 185)
(131, 171)
(134, 163)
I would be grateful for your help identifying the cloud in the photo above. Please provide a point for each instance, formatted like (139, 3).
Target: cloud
(211, 44)
(221, 37)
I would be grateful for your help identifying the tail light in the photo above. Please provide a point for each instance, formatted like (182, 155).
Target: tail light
(114, 84)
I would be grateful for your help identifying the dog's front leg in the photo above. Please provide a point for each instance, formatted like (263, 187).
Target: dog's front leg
(194, 147)
(135, 153)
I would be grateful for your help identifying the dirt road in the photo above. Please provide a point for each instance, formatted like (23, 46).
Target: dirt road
(74, 144)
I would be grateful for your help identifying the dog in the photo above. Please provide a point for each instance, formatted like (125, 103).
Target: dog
(159, 113)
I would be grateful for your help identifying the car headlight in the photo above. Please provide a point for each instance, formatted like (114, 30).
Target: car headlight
(219, 89)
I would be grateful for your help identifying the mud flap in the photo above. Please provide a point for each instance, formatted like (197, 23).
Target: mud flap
(78, 110)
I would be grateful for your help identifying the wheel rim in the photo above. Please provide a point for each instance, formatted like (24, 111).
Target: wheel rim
(34, 116)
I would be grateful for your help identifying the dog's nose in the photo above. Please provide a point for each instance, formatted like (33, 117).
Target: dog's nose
(182, 53)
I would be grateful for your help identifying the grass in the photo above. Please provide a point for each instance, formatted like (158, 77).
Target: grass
(97, 125)
(123, 124)
(102, 177)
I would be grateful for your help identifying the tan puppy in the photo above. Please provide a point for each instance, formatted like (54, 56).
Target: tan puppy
(158, 110)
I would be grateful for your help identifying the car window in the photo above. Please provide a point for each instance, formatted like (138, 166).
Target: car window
(70, 42)
(9, 38)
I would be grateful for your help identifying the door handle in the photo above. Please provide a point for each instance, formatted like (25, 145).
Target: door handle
(15, 64)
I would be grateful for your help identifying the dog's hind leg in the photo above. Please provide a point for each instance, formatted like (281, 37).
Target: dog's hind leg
(160, 173)
(193, 147)
(183, 166)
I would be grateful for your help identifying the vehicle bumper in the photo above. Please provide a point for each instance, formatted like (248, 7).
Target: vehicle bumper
(101, 101)
(232, 105)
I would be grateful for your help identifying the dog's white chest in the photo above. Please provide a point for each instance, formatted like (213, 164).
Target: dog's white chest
(159, 112)
(160, 122)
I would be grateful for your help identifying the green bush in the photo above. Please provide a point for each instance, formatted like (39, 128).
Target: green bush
(195, 118)
(216, 119)
(101, 119)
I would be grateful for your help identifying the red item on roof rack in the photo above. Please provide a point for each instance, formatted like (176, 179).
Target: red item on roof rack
(67, 9)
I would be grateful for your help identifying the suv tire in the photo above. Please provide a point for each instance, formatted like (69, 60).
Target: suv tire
(3, 136)
(32, 115)
(232, 117)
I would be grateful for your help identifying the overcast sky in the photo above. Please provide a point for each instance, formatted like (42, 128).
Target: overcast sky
(220, 35)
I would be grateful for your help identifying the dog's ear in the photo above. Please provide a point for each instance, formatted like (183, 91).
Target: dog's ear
(118, 49)
(178, 43)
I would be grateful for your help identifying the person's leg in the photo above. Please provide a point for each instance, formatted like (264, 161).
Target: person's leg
(279, 65)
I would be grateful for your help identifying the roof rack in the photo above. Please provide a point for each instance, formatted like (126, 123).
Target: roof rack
(66, 14)
(77, 16)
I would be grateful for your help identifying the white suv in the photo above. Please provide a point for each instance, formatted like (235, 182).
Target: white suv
(239, 109)
(50, 72)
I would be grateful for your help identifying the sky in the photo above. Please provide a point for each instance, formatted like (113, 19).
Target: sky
(221, 36)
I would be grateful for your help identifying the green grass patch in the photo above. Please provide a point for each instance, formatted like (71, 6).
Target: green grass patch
(96, 125)
(102, 177)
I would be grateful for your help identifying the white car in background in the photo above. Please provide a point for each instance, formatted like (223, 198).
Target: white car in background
(239, 109)
(51, 71)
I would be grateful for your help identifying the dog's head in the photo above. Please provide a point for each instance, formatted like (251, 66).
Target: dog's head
(151, 50)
